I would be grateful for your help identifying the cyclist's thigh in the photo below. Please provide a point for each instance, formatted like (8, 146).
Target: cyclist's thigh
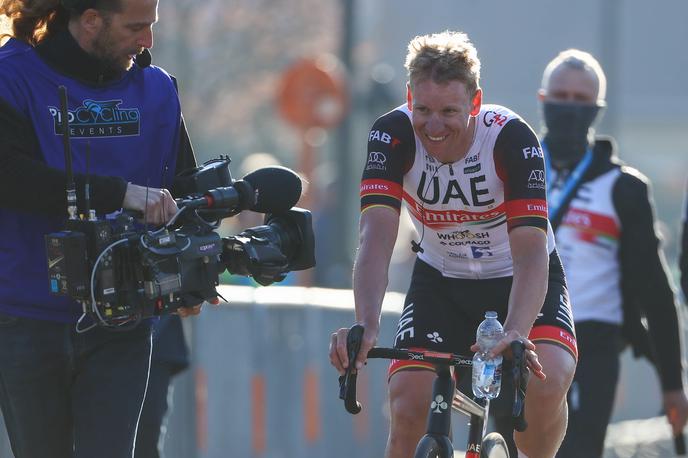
(410, 391)
(428, 319)
(410, 397)
(554, 324)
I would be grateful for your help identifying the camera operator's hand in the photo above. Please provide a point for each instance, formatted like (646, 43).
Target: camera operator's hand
(157, 205)
(196, 309)
(189, 311)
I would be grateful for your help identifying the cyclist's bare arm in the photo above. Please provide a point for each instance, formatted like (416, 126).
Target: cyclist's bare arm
(530, 260)
(377, 235)
(531, 264)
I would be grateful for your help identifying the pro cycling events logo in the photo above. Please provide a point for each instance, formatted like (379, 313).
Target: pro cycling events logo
(99, 119)
(480, 251)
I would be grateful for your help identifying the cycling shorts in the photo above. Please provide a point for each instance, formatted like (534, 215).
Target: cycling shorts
(442, 313)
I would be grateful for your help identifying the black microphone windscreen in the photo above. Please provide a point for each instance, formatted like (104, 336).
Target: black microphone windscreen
(277, 189)
(144, 59)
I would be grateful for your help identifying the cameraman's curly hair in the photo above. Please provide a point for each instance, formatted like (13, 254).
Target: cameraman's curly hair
(34, 20)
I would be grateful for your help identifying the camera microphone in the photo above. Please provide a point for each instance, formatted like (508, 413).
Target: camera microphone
(144, 58)
(277, 189)
(240, 196)
(266, 190)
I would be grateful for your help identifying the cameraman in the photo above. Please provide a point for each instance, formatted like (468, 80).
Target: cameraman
(66, 394)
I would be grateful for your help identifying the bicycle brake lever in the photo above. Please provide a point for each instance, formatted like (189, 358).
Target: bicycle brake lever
(347, 382)
(521, 375)
(680, 444)
(353, 343)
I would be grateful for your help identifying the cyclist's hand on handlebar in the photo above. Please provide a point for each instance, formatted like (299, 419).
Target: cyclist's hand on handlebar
(502, 347)
(338, 352)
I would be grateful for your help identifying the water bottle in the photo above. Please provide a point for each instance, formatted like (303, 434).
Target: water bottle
(487, 372)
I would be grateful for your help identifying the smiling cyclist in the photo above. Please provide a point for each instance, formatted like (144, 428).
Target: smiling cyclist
(472, 176)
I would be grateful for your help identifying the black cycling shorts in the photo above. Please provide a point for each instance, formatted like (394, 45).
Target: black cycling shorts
(442, 313)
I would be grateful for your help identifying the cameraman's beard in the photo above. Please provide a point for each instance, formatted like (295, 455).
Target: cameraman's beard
(104, 51)
(569, 131)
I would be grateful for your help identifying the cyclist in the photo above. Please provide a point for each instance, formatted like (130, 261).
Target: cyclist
(472, 177)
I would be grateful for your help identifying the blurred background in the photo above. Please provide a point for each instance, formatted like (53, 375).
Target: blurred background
(232, 59)
(236, 60)
(299, 82)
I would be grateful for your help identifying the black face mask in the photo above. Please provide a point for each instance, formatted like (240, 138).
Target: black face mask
(569, 130)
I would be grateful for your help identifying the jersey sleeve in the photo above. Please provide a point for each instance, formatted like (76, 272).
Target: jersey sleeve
(645, 283)
(391, 149)
(21, 161)
(520, 165)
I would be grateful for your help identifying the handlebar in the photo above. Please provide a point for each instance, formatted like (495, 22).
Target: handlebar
(347, 382)
(427, 356)
(520, 374)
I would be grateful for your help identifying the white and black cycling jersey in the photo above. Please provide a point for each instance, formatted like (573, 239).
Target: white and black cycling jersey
(462, 210)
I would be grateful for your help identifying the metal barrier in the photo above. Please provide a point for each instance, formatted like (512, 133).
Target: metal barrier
(263, 385)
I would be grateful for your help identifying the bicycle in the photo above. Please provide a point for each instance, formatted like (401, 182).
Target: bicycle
(436, 442)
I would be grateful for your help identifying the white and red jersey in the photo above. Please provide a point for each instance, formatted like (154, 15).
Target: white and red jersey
(612, 255)
(588, 243)
(462, 210)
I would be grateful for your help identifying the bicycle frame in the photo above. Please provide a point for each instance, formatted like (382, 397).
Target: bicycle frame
(478, 411)
(439, 416)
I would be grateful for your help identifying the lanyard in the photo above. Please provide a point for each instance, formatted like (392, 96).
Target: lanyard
(555, 199)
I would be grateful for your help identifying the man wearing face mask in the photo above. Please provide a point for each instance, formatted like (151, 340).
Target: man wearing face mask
(603, 217)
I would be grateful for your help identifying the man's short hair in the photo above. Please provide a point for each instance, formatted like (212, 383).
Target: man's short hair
(443, 57)
(581, 60)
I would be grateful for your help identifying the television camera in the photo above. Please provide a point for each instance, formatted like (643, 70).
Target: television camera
(121, 272)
